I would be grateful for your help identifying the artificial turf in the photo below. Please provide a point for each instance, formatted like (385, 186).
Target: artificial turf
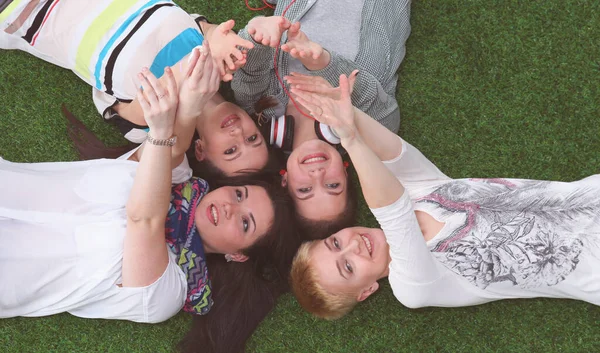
(487, 89)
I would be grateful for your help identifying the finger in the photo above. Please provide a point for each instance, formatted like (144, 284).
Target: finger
(147, 87)
(344, 87)
(352, 80)
(303, 54)
(258, 37)
(142, 99)
(227, 77)
(244, 43)
(237, 54)
(251, 30)
(157, 87)
(229, 62)
(192, 60)
(171, 84)
(294, 29)
(285, 47)
(226, 26)
(294, 53)
(284, 23)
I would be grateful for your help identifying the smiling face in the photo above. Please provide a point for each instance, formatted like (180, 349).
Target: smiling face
(230, 140)
(231, 219)
(316, 180)
(351, 261)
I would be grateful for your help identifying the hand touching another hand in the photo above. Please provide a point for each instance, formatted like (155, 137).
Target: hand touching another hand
(200, 83)
(226, 50)
(159, 103)
(311, 54)
(337, 113)
(317, 84)
(268, 30)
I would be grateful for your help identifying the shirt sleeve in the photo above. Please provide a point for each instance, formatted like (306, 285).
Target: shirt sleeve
(411, 166)
(251, 82)
(411, 259)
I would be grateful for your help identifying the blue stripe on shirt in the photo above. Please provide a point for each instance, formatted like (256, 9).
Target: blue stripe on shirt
(175, 50)
(114, 38)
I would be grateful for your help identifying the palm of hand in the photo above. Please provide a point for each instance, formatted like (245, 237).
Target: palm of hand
(338, 114)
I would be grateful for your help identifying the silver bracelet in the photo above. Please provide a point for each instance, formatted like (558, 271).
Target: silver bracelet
(164, 142)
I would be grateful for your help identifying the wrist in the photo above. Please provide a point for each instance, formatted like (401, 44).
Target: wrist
(160, 134)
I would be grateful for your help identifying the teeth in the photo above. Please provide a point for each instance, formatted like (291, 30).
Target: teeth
(367, 243)
(215, 216)
(230, 122)
(314, 159)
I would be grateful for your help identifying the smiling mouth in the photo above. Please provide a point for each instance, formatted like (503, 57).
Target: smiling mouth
(368, 243)
(213, 214)
(314, 158)
(229, 121)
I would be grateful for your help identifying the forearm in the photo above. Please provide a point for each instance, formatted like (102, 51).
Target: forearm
(379, 186)
(150, 194)
(384, 143)
(368, 93)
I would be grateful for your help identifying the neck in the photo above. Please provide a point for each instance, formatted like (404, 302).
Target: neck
(304, 129)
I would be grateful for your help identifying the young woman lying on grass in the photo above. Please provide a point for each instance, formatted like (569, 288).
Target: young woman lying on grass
(446, 242)
(369, 36)
(115, 239)
(106, 42)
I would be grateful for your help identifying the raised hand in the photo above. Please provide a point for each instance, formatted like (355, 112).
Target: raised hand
(227, 49)
(268, 30)
(299, 46)
(317, 84)
(158, 102)
(337, 113)
(200, 83)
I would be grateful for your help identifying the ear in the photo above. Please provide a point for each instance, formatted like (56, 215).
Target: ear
(367, 292)
(238, 257)
(284, 178)
(199, 150)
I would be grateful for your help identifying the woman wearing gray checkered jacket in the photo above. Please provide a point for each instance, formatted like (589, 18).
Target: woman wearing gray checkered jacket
(364, 35)
(320, 40)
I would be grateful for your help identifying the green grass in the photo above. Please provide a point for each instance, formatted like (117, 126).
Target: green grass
(487, 89)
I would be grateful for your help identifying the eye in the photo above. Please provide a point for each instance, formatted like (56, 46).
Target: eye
(238, 195)
(245, 224)
(336, 243)
(333, 185)
(305, 190)
(252, 138)
(230, 150)
(349, 267)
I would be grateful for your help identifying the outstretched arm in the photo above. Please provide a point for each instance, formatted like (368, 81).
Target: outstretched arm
(145, 255)
(372, 173)
(412, 263)
(368, 94)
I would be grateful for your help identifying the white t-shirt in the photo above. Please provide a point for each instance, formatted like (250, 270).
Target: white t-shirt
(502, 238)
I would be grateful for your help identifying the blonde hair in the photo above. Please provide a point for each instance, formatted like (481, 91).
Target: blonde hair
(309, 292)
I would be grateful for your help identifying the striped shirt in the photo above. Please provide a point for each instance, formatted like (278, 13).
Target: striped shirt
(384, 29)
(104, 42)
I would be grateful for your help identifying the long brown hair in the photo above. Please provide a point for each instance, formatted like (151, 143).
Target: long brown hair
(243, 293)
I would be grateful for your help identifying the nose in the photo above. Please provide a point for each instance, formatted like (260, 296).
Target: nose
(317, 172)
(235, 131)
(229, 209)
(354, 246)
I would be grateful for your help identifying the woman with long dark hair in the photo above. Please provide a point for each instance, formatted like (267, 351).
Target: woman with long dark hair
(114, 239)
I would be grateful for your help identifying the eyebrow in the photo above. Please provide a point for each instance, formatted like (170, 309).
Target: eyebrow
(337, 264)
(251, 215)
